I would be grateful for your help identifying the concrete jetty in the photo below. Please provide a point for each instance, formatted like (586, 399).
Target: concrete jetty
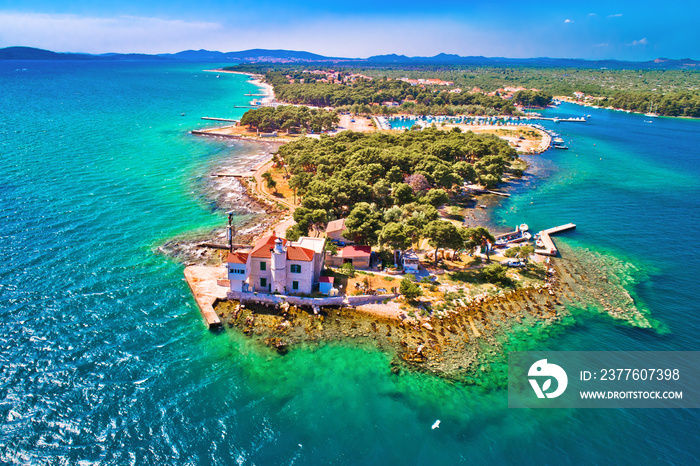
(246, 174)
(549, 248)
(208, 284)
(220, 119)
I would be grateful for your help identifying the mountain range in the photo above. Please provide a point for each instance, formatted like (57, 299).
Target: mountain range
(290, 56)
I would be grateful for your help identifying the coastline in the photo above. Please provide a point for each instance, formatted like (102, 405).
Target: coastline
(569, 100)
(257, 79)
(455, 344)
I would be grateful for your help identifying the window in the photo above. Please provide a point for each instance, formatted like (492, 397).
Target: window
(263, 266)
(240, 271)
(295, 286)
(296, 268)
(263, 282)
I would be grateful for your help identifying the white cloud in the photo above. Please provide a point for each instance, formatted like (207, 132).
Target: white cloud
(616, 15)
(602, 44)
(643, 41)
(568, 20)
(592, 14)
(72, 33)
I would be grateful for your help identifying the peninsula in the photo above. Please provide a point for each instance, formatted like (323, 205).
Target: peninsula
(381, 235)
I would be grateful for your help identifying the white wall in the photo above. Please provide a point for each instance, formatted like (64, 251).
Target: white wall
(256, 274)
(305, 278)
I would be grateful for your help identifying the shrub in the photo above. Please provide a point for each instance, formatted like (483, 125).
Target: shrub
(410, 289)
(347, 269)
(495, 273)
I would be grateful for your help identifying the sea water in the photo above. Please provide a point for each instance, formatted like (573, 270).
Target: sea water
(105, 358)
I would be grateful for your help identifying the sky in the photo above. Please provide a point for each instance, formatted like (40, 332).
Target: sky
(596, 29)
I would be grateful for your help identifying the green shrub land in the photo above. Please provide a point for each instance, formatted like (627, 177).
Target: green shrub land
(289, 118)
(669, 92)
(389, 185)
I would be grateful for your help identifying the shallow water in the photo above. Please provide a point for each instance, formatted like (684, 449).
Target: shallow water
(104, 354)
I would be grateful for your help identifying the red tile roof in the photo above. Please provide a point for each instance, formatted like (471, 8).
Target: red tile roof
(262, 247)
(237, 257)
(325, 280)
(296, 253)
(349, 252)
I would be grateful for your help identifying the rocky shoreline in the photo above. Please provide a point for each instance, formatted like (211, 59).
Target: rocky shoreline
(254, 215)
(463, 344)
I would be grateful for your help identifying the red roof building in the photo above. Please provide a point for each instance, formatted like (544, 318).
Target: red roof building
(296, 253)
(236, 257)
(263, 247)
(352, 252)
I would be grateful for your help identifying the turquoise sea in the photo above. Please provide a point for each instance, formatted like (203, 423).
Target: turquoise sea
(104, 357)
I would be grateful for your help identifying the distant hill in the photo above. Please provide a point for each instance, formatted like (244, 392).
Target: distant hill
(291, 56)
(446, 59)
(253, 55)
(29, 53)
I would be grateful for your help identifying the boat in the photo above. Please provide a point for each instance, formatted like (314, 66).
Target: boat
(558, 140)
(560, 146)
(523, 227)
(652, 111)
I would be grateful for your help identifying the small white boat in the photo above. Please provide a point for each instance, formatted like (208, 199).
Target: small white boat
(523, 227)
(436, 424)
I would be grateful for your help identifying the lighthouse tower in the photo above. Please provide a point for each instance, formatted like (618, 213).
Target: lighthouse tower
(279, 267)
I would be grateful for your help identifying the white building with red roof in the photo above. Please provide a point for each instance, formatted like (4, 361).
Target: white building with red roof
(358, 256)
(275, 265)
(237, 269)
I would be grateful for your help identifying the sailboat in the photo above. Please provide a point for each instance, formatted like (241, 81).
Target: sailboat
(652, 111)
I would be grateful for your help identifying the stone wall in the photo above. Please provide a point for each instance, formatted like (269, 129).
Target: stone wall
(275, 299)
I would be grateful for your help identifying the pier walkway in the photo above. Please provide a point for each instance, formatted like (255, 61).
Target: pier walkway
(220, 119)
(549, 248)
(205, 285)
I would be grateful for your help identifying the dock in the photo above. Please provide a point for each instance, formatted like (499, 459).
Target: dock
(556, 119)
(247, 174)
(220, 119)
(207, 286)
(222, 246)
(550, 248)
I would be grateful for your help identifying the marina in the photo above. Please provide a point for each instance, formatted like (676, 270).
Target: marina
(545, 242)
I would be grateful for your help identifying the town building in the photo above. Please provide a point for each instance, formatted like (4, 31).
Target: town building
(409, 261)
(335, 229)
(358, 256)
(275, 265)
